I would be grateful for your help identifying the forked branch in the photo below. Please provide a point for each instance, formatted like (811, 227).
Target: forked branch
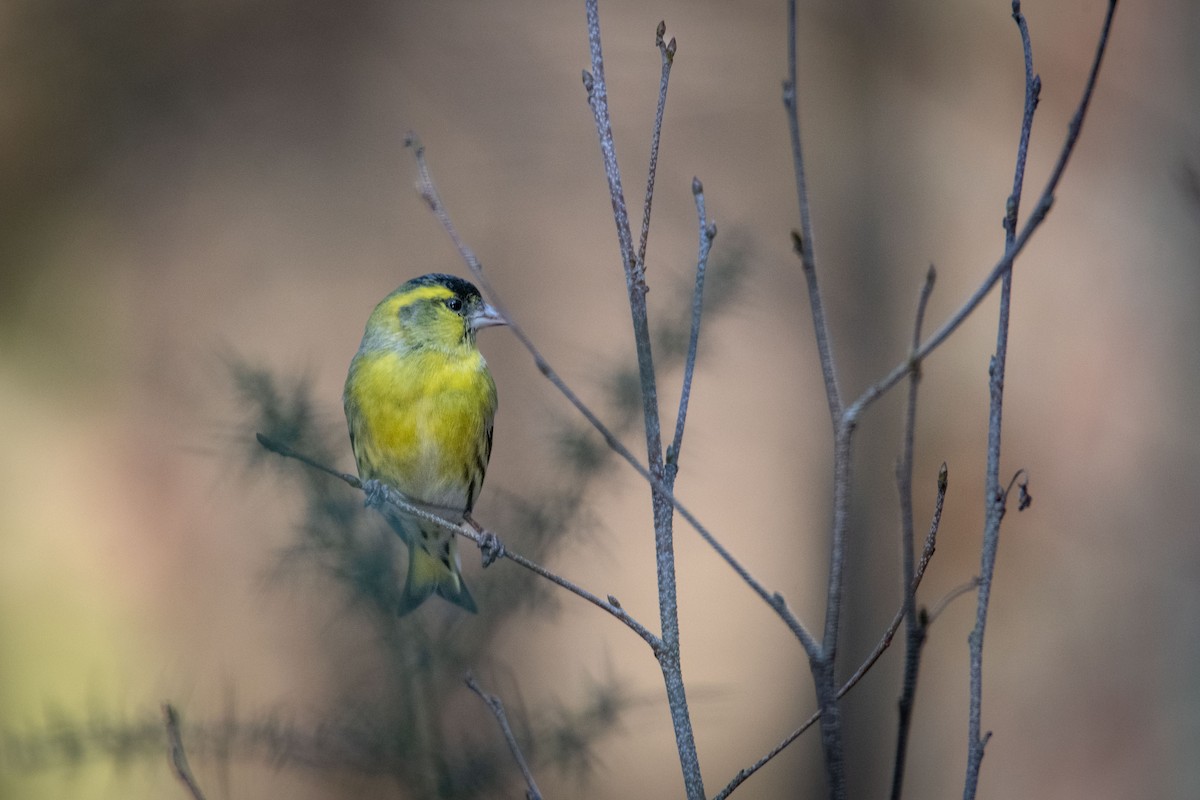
(488, 543)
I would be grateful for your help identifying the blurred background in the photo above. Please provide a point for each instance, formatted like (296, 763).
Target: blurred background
(201, 202)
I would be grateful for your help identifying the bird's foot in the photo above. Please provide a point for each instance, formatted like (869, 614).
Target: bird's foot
(376, 493)
(491, 547)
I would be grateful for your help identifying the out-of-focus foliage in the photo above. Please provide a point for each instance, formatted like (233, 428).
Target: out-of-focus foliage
(407, 736)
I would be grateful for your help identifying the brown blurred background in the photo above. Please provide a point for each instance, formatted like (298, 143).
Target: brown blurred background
(181, 181)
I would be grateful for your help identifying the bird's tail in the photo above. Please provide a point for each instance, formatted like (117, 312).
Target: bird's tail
(433, 569)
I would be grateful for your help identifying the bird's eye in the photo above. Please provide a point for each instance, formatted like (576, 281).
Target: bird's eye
(454, 304)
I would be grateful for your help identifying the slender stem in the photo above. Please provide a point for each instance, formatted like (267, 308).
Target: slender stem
(1033, 91)
(949, 597)
(822, 660)
(994, 501)
(914, 629)
(497, 708)
(1032, 223)
(429, 191)
(177, 755)
(667, 50)
(884, 642)
(708, 232)
(487, 541)
(994, 497)
(635, 284)
(803, 239)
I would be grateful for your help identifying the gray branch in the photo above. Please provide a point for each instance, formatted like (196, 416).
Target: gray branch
(497, 708)
(177, 755)
(488, 543)
(635, 284)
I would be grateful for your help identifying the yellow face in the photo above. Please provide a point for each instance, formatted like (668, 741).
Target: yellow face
(439, 312)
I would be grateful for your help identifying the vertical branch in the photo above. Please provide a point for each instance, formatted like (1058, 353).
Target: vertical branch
(994, 497)
(1032, 223)
(822, 660)
(773, 600)
(597, 92)
(708, 232)
(914, 628)
(635, 280)
(823, 666)
(885, 640)
(803, 239)
(667, 51)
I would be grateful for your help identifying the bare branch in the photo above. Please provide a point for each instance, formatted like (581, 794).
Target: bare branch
(596, 87)
(803, 239)
(430, 195)
(487, 541)
(635, 284)
(958, 591)
(875, 391)
(884, 642)
(668, 57)
(283, 450)
(708, 232)
(822, 659)
(1033, 91)
(176, 754)
(914, 629)
(994, 498)
(772, 599)
(823, 666)
(497, 708)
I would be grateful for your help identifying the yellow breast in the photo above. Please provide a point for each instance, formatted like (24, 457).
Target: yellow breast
(421, 422)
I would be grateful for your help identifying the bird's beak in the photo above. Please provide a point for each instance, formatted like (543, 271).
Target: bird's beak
(485, 317)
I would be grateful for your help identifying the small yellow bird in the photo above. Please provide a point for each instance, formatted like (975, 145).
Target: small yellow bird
(419, 404)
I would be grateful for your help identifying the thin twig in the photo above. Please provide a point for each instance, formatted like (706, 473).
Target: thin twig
(822, 660)
(884, 642)
(497, 708)
(1032, 223)
(176, 754)
(994, 498)
(429, 192)
(803, 239)
(635, 284)
(708, 232)
(283, 450)
(914, 638)
(958, 591)
(667, 50)
(1033, 91)
(487, 541)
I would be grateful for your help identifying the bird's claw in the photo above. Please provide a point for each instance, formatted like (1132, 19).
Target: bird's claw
(491, 547)
(376, 493)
